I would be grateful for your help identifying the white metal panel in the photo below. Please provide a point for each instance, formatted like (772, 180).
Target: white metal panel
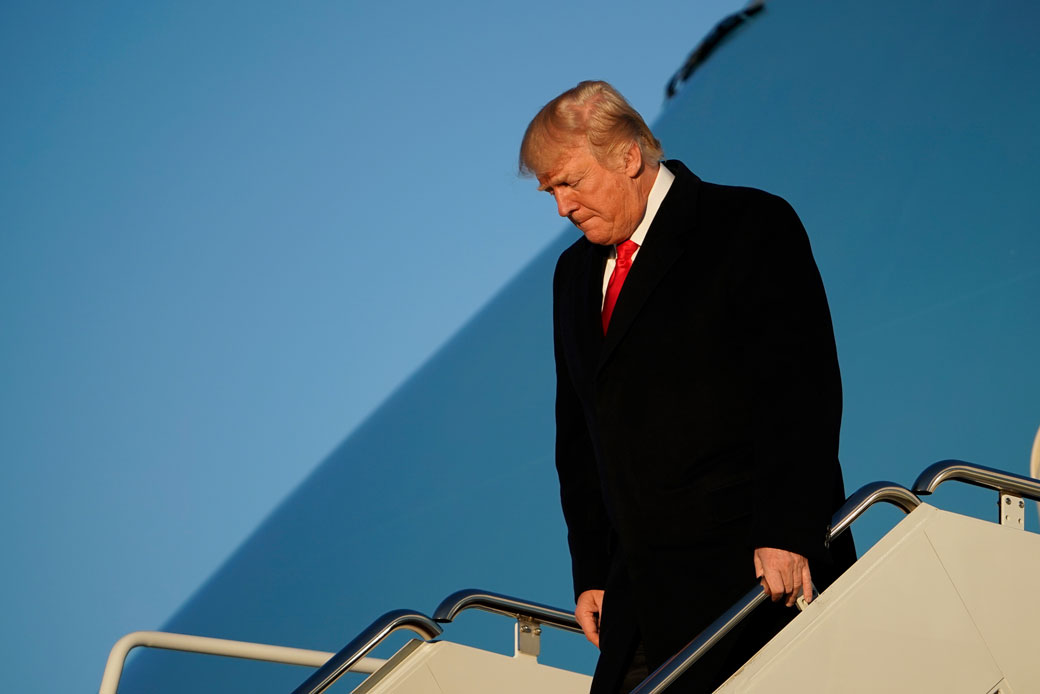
(894, 623)
(996, 571)
(441, 667)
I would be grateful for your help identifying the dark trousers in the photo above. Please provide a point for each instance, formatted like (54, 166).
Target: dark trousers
(637, 671)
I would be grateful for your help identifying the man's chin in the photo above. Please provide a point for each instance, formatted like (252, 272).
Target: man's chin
(595, 235)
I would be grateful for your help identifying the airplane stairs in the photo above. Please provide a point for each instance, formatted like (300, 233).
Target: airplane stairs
(942, 603)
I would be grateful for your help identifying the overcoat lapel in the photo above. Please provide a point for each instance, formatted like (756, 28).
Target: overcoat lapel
(590, 297)
(666, 240)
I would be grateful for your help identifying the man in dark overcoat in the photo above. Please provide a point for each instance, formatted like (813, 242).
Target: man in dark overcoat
(698, 396)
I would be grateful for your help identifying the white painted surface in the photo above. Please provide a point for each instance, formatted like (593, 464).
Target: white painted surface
(441, 667)
(941, 604)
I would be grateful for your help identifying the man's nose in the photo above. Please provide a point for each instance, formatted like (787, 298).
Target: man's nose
(565, 203)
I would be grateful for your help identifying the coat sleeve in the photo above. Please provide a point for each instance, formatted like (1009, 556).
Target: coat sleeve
(588, 529)
(796, 386)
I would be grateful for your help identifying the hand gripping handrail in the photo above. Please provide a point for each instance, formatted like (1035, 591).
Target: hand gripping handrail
(365, 642)
(472, 598)
(852, 509)
(981, 476)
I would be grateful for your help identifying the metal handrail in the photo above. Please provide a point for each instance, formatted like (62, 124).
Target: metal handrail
(865, 497)
(662, 677)
(472, 598)
(1034, 457)
(211, 646)
(852, 509)
(364, 642)
(1034, 461)
(979, 475)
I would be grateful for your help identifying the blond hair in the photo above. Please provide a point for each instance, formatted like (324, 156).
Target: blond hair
(593, 111)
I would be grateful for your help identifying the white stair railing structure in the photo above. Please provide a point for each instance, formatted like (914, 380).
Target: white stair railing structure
(1013, 490)
(211, 646)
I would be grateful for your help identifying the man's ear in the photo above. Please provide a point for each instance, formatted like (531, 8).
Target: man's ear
(633, 160)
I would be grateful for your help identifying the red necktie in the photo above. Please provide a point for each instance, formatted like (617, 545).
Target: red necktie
(625, 252)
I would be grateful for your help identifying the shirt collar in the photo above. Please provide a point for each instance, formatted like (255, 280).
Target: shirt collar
(662, 184)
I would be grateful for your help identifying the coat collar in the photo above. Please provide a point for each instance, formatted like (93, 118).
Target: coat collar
(666, 239)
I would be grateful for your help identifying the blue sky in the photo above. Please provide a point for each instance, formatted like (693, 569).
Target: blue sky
(227, 232)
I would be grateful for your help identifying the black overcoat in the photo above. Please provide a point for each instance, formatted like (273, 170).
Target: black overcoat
(703, 425)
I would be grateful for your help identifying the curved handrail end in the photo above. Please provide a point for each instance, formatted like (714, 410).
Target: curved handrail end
(978, 475)
(864, 497)
(450, 606)
(473, 598)
(935, 474)
(364, 642)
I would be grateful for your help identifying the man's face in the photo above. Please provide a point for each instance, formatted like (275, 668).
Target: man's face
(603, 202)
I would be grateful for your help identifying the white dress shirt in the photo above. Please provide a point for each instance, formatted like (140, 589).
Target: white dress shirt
(662, 184)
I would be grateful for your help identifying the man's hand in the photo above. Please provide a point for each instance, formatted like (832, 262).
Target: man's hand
(587, 612)
(783, 574)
